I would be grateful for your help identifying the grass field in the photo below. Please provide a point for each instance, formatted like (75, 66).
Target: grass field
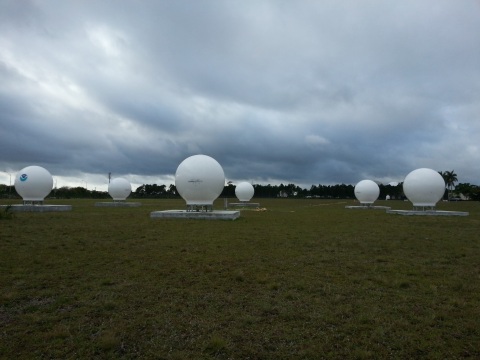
(305, 279)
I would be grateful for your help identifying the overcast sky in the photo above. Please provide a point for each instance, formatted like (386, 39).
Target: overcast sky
(303, 92)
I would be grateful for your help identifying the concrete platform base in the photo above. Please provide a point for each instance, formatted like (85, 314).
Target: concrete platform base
(244, 204)
(183, 214)
(428, 212)
(38, 208)
(368, 207)
(118, 204)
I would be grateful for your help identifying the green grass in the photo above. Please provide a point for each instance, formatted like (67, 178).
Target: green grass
(306, 279)
(6, 213)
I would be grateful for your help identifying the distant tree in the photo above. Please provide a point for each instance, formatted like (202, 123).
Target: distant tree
(266, 191)
(450, 179)
(7, 191)
(151, 191)
(395, 192)
(475, 194)
(172, 191)
(293, 190)
(445, 194)
(228, 190)
(74, 192)
(469, 191)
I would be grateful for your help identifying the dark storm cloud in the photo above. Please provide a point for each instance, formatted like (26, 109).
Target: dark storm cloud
(276, 91)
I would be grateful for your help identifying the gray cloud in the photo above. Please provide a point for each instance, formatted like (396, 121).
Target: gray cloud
(317, 92)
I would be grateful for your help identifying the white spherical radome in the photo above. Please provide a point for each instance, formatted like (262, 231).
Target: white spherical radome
(367, 191)
(244, 191)
(199, 180)
(424, 187)
(119, 189)
(33, 183)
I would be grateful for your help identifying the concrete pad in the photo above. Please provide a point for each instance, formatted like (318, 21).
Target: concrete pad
(118, 204)
(38, 208)
(368, 207)
(244, 204)
(428, 212)
(184, 214)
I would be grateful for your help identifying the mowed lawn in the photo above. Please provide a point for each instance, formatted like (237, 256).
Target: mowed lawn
(303, 279)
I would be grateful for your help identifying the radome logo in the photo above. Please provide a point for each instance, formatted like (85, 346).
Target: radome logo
(23, 177)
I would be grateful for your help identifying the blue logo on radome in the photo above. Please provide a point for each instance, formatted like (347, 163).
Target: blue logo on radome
(23, 177)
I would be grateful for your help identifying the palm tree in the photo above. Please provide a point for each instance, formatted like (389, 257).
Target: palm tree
(445, 193)
(450, 179)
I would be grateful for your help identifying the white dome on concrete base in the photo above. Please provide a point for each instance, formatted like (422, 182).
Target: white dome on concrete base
(244, 191)
(367, 191)
(33, 183)
(199, 180)
(119, 189)
(424, 187)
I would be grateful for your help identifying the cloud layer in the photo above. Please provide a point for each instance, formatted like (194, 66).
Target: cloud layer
(277, 91)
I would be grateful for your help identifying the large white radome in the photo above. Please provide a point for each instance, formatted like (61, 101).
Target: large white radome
(424, 187)
(244, 191)
(119, 189)
(33, 183)
(367, 191)
(199, 180)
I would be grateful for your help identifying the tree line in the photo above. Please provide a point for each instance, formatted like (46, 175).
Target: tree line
(338, 191)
